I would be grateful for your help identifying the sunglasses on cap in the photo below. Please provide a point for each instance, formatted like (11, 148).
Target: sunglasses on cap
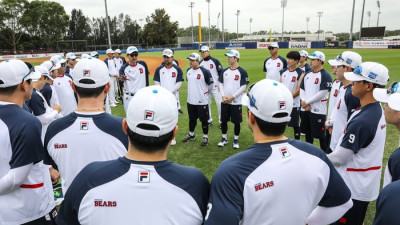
(270, 47)
(251, 99)
(134, 54)
(393, 88)
(30, 71)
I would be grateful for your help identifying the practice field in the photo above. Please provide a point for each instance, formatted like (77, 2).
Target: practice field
(208, 158)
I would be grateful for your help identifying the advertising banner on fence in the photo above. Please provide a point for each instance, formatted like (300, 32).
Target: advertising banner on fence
(27, 56)
(374, 44)
(263, 44)
(300, 45)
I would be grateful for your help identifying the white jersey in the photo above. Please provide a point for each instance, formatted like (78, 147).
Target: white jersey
(119, 62)
(124, 191)
(214, 66)
(306, 68)
(346, 105)
(272, 67)
(138, 76)
(198, 81)
(291, 80)
(168, 77)
(112, 68)
(312, 83)
(232, 80)
(365, 135)
(20, 145)
(50, 94)
(333, 98)
(66, 95)
(274, 183)
(79, 139)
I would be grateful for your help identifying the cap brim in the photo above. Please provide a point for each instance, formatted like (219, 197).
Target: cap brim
(191, 58)
(229, 55)
(394, 101)
(245, 100)
(380, 94)
(35, 76)
(334, 62)
(167, 55)
(56, 66)
(350, 76)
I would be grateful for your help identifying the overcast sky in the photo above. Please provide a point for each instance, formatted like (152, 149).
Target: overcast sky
(266, 14)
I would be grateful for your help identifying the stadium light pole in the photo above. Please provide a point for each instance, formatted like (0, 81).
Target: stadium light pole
(237, 25)
(251, 20)
(379, 12)
(319, 14)
(369, 17)
(352, 20)
(283, 5)
(209, 24)
(141, 22)
(108, 25)
(307, 20)
(219, 14)
(223, 28)
(191, 12)
(362, 19)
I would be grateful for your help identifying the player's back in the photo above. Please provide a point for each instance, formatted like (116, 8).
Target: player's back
(65, 93)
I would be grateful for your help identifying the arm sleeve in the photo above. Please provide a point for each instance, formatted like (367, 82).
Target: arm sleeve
(207, 76)
(14, 178)
(284, 62)
(326, 82)
(221, 89)
(179, 78)
(244, 78)
(240, 91)
(157, 75)
(264, 67)
(157, 83)
(317, 97)
(302, 94)
(48, 117)
(387, 178)
(340, 156)
(352, 103)
(37, 105)
(121, 70)
(177, 86)
(358, 134)
(328, 215)
(47, 92)
(393, 167)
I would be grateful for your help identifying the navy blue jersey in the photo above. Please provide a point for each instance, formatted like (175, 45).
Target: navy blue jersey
(36, 104)
(47, 92)
(387, 206)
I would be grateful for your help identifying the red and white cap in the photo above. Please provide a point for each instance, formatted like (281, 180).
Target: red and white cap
(369, 71)
(391, 95)
(153, 105)
(91, 69)
(267, 99)
(13, 72)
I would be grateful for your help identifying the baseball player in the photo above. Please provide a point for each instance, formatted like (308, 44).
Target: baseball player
(169, 76)
(71, 61)
(74, 139)
(26, 194)
(215, 68)
(358, 157)
(112, 71)
(274, 63)
(62, 85)
(391, 98)
(135, 75)
(291, 77)
(142, 187)
(346, 104)
(387, 205)
(199, 85)
(38, 103)
(303, 62)
(94, 54)
(277, 180)
(48, 91)
(233, 81)
(314, 96)
(119, 62)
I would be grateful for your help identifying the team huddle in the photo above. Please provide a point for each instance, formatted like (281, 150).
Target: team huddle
(56, 128)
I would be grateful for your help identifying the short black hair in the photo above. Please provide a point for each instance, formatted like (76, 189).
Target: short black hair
(295, 55)
(375, 85)
(149, 144)
(88, 92)
(271, 129)
(8, 90)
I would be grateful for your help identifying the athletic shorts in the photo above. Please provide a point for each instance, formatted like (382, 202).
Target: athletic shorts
(312, 124)
(231, 113)
(294, 117)
(198, 112)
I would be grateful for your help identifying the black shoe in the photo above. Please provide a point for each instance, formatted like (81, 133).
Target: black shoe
(189, 138)
(180, 111)
(204, 142)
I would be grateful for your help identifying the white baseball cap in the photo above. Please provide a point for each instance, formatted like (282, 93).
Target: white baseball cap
(391, 96)
(233, 53)
(70, 55)
(43, 71)
(303, 53)
(51, 65)
(194, 56)
(273, 45)
(204, 48)
(57, 59)
(118, 51)
(266, 98)
(109, 51)
(94, 53)
(92, 69)
(13, 72)
(85, 56)
(152, 105)
(168, 53)
(369, 71)
(131, 49)
(347, 58)
(317, 55)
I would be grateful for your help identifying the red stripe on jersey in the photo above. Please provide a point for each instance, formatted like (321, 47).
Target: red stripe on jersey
(363, 170)
(324, 100)
(31, 186)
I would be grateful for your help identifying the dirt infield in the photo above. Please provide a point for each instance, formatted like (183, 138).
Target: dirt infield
(151, 61)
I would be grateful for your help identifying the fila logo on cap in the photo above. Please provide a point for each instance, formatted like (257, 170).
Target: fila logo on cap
(84, 126)
(148, 115)
(86, 73)
(282, 105)
(284, 152)
(144, 177)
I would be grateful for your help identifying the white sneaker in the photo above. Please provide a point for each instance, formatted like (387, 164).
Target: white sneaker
(173, 142)
(113, 104)
(223, 142)
(236, 144)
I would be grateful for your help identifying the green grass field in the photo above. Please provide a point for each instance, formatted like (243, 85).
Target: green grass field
(208, 158)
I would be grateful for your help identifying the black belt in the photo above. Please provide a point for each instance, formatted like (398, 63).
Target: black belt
(131, 94)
